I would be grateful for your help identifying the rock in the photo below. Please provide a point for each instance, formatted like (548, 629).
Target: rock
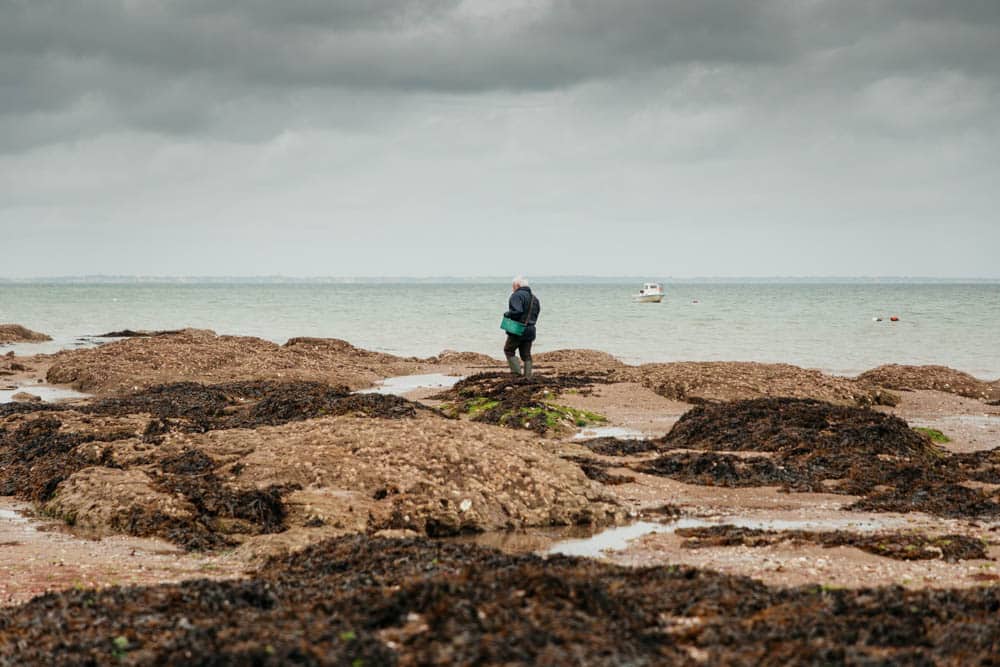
(202, 356)
(129, 333)
(394, 534)
(454, 358)
(15, 333)
(937, 378)
(25, 397)
(315, 478)
(716, 381)
(578, 360)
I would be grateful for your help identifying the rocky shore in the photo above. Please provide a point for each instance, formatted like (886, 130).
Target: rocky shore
(870, 494)
(15, 333)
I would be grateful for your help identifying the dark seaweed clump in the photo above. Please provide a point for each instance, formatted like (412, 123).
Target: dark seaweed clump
(496, 385)
(199, 408)
(608, 446)
(518, 402)
(598, 471)
(722, 470)
(37, 453)
(795, 426)
(221, 510)
(361, 601)
(8, 409)
(810, 445)
(36, 456)
(130, 333)
(901, 546)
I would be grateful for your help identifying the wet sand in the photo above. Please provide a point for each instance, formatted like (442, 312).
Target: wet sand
(41, 556)
(970, 424)
(633, 411)
(244, 446)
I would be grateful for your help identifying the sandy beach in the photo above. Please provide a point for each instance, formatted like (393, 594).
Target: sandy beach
(193, 468)
(257, 405)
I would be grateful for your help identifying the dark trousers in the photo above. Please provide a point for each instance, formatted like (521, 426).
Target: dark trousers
(516, 344)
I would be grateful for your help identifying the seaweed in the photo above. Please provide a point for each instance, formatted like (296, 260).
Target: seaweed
(820, 447)
(720, 470)
(598, 471)
(220, 509)
(935, 435)
(523, 403)
(37, 455)
(900, 546)
(194, 407)
(364, 601)
(609, 446)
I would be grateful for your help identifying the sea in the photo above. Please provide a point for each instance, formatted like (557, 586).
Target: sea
(840, 327)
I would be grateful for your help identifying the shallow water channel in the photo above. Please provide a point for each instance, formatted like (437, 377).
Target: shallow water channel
(45, 392)
(609, 432)
(404, 384)
(11, 515)
(617, 538)
(581, 541)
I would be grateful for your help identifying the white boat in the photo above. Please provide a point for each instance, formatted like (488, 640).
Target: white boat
(650, 293)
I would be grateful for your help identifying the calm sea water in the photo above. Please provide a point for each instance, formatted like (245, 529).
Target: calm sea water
(825, 326)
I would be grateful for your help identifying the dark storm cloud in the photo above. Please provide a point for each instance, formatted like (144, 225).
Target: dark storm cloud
(401, 44)
(81, 68)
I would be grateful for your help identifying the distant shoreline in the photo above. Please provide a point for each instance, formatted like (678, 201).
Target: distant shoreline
(474, 280)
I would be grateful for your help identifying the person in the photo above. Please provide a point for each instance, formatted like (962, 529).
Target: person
(523, 306)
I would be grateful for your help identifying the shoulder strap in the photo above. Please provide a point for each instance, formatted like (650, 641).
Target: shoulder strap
(531, 304)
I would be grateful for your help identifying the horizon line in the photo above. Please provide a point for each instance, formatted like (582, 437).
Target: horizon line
(486, 278)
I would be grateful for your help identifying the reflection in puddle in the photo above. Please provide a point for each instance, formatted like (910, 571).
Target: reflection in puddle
(613, 539)
(43, 391)
(404, 384)
(616, 539)
(14, 516)
(58, 344)
(11, 515)
(978, 421)
(609, 432)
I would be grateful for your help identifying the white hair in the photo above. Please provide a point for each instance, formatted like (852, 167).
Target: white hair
(520, 281)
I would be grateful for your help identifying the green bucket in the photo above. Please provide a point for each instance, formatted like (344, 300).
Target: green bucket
(512, 326)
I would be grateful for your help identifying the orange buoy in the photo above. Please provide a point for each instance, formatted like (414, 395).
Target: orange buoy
(893, 319)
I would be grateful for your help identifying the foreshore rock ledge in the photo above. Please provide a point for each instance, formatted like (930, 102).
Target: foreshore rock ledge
(15, 333)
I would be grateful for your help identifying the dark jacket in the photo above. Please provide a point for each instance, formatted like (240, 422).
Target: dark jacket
(518, 305)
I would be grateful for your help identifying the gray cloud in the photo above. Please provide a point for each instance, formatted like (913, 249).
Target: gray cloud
(173, 67)
(669, 118)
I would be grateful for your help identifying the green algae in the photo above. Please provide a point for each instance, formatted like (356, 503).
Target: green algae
(935, 435)
(554, 416)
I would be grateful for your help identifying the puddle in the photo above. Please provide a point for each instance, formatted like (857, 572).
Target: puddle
(616, 539)
(860, 525)
(977, 421)
(11, 515)
(46, 392)
(612, 539)
(58, 344)
(404, 384)
(610, 432)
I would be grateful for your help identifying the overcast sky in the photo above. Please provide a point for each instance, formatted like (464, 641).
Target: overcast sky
(446, 137)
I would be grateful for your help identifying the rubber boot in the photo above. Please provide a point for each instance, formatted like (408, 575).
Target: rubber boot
(515, 365)
(527, 368)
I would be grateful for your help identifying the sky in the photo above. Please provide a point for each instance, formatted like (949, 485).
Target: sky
(464, 138)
